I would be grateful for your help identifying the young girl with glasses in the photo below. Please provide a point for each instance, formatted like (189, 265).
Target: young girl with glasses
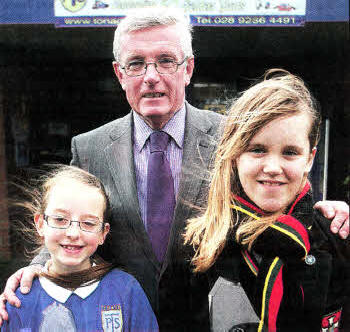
(260, 229)
(77, 291)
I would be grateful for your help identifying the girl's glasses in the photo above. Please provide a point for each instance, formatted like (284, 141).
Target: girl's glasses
(90, 225)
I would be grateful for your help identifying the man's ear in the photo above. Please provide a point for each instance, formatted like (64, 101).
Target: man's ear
(189, 70)
(39, 223)
(119, 73)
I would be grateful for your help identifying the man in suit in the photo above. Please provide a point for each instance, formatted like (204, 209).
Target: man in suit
(154, 63)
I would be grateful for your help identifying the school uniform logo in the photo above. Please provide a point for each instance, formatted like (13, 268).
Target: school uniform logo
(112, 319)
(330, 322)
(73, 5)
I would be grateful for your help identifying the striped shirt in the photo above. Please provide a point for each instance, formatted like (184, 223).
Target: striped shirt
(175, 128)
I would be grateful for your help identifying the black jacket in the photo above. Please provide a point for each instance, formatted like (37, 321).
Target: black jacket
(313, 293)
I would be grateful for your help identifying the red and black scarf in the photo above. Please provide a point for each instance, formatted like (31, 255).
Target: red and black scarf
(285, 240)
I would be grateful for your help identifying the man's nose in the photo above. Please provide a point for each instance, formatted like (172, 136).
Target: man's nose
(151, 76)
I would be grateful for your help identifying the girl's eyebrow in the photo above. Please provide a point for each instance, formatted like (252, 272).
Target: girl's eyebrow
(90, 216)
(60, 210)
(256, 145)
(293, 147)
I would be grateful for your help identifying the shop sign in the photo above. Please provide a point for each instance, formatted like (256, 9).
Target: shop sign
(243, 13)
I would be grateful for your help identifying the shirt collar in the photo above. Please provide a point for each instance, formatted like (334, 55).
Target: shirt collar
(61, 294)
(175, 128)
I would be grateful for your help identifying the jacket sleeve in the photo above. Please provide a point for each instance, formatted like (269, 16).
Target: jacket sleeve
(41, 258)
(75, 157)
(340, 251)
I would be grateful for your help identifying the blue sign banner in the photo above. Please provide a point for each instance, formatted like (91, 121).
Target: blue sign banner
(201, 13)
(43, 12)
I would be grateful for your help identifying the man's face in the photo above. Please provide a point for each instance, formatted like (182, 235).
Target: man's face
(156, 97)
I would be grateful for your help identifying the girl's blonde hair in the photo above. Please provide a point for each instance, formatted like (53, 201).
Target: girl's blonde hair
(280, 94)
(38, 193)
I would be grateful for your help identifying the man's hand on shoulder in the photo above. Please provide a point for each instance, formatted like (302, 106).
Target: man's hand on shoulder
(24, 278)
(338, 212)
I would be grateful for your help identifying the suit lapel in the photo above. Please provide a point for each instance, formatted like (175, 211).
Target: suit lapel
(120, 158)
(198, 151)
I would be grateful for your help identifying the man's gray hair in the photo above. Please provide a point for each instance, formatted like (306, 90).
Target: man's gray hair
(143, 18)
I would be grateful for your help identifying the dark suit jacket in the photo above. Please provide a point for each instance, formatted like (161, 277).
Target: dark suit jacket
(174, 292)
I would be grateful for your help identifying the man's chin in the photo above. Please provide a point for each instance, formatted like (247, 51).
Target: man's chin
(156, 117)
(154, 106)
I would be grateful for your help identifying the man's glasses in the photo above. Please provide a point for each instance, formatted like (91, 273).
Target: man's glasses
(89, 225)
(163, 66)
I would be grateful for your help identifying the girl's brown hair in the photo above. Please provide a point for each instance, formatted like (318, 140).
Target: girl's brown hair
(38, 193)
(280, 94)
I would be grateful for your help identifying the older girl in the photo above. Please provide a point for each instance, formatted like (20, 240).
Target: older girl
(259, 227)
(77, 291)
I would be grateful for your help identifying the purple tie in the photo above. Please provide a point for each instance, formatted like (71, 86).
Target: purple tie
(160, 194)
